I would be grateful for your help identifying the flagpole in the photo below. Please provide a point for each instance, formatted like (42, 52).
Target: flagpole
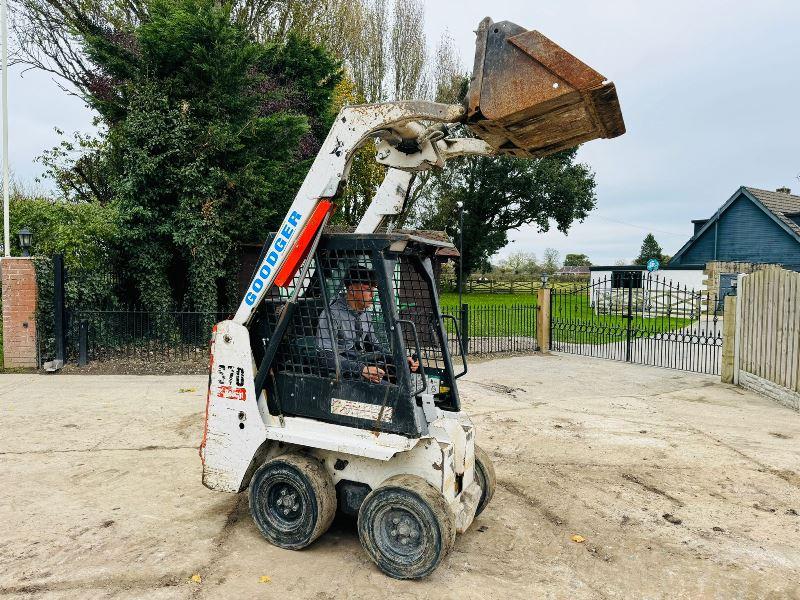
(4, 34)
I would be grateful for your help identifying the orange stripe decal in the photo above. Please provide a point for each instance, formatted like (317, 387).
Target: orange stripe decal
(303, 244)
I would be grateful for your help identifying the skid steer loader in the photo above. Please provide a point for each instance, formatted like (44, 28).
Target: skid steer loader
(333, 386)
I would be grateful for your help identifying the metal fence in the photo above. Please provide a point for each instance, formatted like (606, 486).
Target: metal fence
(135, 336)
(642, 319)
(138, 335)
(493, 329)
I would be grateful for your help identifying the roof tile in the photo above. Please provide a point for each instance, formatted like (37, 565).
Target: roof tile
(780, 204)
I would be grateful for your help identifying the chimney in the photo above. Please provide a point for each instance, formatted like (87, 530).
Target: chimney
(784, 190)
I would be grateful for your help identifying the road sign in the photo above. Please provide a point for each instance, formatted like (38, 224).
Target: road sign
(653, 264)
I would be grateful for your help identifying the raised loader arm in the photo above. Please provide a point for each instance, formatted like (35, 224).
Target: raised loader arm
(528, 97)
(354, 126)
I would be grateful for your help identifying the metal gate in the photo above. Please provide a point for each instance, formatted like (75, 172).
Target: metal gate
(641, 318)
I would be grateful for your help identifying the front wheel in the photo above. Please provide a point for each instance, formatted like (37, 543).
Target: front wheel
(406, 527)
(292, 500)
(484, 475)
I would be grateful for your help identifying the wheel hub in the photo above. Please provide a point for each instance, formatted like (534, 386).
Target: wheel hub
(404, 529)
(285, 501)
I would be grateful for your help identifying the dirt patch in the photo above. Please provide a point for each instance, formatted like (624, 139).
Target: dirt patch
(788, 476)
(156, 365)
(126, 515)
(651, 488)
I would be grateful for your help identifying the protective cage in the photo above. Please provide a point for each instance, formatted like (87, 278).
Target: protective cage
(365, 301)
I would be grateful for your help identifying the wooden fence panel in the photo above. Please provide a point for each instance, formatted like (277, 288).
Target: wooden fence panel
(769, 344)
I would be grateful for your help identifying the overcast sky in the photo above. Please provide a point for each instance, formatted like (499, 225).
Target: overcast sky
(710, 94)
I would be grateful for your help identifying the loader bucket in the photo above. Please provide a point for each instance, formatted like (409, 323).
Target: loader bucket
(530, 97)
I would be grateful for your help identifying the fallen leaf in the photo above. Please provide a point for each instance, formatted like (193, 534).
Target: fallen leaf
(265, 579)
(196, 578)
(187, 390)
(578, 539)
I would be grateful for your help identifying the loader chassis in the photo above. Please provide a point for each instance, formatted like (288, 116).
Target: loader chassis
(333, 386)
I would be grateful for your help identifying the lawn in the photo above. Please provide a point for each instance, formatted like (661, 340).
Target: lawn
(573, 319)
(450, 300)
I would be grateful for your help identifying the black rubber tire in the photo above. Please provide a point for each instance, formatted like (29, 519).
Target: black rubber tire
(292, 500)
(484, 475)
(406, 507)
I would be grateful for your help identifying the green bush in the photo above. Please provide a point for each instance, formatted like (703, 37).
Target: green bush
(85, 233)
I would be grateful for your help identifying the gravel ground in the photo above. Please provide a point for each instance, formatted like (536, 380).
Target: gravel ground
(681, 487)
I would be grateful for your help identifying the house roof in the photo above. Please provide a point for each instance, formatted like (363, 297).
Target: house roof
(778, 205)
(576, 270)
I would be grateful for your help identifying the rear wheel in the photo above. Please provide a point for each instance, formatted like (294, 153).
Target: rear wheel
(484, 475)
(406, 527)
(292, 500)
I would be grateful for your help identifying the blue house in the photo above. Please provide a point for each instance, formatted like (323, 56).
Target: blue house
(753, 226)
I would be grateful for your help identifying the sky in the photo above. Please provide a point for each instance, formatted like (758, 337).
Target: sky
(709, 90)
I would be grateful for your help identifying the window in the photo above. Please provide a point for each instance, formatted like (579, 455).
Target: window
(624, 279)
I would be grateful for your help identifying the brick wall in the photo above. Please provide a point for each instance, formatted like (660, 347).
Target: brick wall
(715, 268)
(19, 312)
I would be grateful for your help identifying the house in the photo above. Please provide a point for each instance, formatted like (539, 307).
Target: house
(751, 229)
(753, 226)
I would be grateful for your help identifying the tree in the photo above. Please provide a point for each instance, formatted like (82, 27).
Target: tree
(521, 263)
(650, 249)
(207, 134)
(502, 194)
(381, 44)
(551, 262)
(577, 260)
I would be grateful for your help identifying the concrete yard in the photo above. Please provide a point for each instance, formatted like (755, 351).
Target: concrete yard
(100, 493)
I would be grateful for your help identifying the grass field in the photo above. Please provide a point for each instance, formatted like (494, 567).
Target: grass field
(450, 300)
(574, 320)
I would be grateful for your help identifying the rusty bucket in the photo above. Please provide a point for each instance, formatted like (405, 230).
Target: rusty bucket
(530, 97)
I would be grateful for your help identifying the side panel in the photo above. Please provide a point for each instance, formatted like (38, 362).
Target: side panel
(347, 402)
(234, 429)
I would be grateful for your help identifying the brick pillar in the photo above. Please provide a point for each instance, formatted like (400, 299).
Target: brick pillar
(19, 312)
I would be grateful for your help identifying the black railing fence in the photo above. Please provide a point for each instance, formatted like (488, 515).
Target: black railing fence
(139, 335)
(135, 334)
(493, 329)
(640, 318)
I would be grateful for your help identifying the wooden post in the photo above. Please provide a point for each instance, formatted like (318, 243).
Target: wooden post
(543, 320)
(737, 340)
(728, 339)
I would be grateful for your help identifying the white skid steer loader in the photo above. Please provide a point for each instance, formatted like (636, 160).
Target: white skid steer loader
(333, 384)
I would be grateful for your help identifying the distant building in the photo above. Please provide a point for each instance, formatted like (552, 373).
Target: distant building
(753, 228)
(578, 271)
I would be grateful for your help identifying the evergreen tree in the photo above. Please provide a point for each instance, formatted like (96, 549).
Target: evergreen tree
(207, 136)
(650, 249)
